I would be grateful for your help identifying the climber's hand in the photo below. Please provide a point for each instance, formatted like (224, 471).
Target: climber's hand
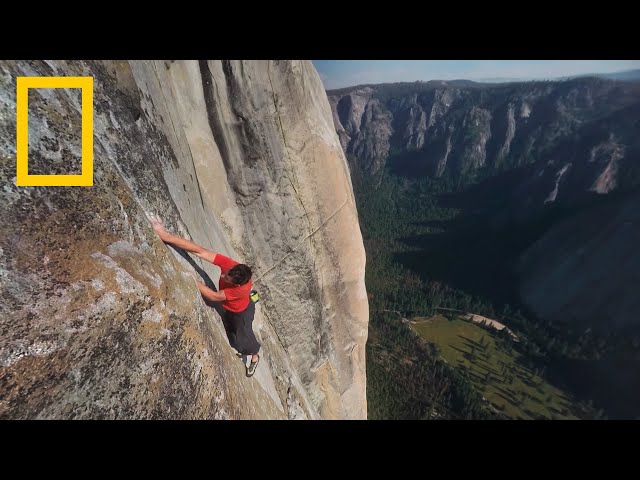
(158, 227)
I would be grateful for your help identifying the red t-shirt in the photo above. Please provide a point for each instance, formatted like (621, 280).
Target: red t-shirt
(237, 297)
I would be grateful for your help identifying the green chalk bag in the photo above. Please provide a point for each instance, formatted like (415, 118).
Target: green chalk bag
(255, 298)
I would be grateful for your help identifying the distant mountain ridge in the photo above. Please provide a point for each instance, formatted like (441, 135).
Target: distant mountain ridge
(577, 136)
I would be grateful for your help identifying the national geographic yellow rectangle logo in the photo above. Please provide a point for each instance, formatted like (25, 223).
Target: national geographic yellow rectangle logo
(85, 178)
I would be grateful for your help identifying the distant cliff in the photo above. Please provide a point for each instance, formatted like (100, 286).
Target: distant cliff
(100, 319)
(577, 136)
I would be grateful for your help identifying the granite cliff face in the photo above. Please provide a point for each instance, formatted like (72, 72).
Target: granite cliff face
(100, 319)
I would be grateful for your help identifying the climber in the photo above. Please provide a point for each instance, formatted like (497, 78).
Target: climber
(235, 286)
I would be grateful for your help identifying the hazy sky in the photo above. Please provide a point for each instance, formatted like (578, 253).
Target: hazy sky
(346, 73)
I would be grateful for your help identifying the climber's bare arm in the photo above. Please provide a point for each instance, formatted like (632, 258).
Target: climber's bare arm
(210, 294)
(183, 243)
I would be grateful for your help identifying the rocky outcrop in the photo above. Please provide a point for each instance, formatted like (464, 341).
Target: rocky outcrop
(476, 128)
(510, 132)
(363, 127)
(600, 157)
(99, 319)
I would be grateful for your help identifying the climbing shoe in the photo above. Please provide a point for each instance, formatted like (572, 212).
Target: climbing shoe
(251, 369)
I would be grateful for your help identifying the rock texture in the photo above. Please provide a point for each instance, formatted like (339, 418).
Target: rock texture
(99, 319)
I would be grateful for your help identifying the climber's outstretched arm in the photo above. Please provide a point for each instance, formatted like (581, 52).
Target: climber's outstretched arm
(210, 294)
(183, 243)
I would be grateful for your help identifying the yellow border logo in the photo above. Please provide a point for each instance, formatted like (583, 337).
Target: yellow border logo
(85, 178)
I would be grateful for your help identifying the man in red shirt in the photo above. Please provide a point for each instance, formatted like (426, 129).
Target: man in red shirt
(235, 288)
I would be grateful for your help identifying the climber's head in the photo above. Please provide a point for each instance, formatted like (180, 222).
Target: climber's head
(239, 274)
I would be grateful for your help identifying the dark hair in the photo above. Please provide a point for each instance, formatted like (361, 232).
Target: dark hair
(240, 274)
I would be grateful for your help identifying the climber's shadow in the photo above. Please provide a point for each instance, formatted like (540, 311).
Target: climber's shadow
(207, 280)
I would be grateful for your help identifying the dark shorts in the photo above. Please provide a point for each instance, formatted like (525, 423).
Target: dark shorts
(239, 328)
